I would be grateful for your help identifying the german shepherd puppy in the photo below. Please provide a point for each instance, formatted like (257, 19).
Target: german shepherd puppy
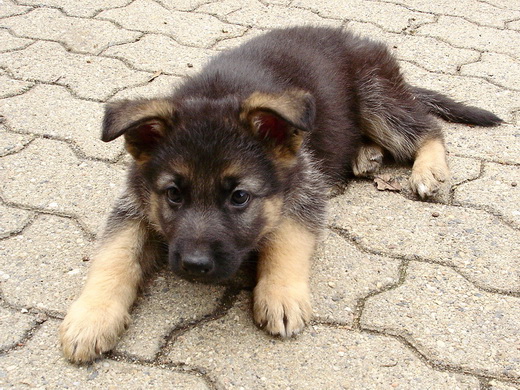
(239, 159)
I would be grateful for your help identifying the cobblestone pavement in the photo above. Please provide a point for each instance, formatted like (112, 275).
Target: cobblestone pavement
(407, 294)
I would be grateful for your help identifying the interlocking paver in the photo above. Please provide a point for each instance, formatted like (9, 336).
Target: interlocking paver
(498, 189)
(12, 87)
(40, 365)
(47, 175)
(12, 220)
(84, 8)
(320, 358)
(10, 42)
(485, 13)
(45, 264)
(273, 16)
(88, 76)
(9, 8)
(406, 294)
(45, 110)
(497, 385)
(499, 144)
(498, 68)
(161, 85)
(450, 321)
(342, 274)
(78, 34)
(462, 33)
(12, 142)
(169, 303)
(146, 15)
(429, 53)
(475, 242)
(13, 327)
(389, 16)
(160, 53)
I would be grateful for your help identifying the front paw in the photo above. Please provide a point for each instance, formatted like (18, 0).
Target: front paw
(282, 310)
(90, 329)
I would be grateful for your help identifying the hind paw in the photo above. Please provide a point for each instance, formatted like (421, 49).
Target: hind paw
(427, 179)
(368, 160)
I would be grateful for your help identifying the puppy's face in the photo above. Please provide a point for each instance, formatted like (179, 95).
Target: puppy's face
(213, 172)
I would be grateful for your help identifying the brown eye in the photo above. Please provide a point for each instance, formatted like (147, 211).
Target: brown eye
(240, 198)
(174, 195)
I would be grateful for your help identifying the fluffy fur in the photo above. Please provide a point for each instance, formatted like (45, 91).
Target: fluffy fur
(238, 161)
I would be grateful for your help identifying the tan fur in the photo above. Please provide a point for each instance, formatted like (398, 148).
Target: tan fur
(272, 213)
(101, 313)
(288, 104)
(430, 168)
(368, 160)
(160, 108)
(282, 297)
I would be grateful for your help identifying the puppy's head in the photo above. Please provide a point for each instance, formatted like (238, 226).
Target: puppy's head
(212, 173)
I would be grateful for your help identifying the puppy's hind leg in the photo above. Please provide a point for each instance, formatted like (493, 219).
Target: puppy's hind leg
(429, 169)
(368, 160)
(101, 313)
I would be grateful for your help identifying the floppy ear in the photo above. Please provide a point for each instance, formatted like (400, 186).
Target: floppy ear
(143, 123)
(280, 119)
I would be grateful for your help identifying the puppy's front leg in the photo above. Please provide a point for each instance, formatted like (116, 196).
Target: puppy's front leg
(281, 297)
(101, 313)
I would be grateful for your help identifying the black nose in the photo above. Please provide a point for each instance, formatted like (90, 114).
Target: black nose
(197, 263)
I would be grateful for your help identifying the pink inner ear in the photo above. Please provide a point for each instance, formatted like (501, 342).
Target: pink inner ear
(270, 126)
(149, 133)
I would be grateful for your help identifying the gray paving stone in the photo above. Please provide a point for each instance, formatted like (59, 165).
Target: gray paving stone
(429, 53)
(497, 385)
(50, 110)
(78, 34)
(47, 175)
(489, 13)
(40, 365)
(13, 326)
(9, 8)
(390, 17)
(10, 42)
(320, 358)
(470, 90)
(342, 274)
(160, 53)
(498, 190)
(12, 220)
(11, 142)
(476, 243)
(499, 68)
(12, 87)
(88, 76)
(450, 321)
(160, 86)
(462, 33)
(44, 264)
(148, 16)
(84, 8)
(497, 144)
(168, 303)
(274, 16)
(182, 5)
(234, 42)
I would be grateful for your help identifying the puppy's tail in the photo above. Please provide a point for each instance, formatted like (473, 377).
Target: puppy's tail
(453, 111)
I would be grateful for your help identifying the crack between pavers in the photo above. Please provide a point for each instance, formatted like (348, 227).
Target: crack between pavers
(65, 44)
(21, 149)
(455, 186)
(424, 354)
(21, 13)
(28, 335)
(91, 236)
(342, 232)
(227, 301)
